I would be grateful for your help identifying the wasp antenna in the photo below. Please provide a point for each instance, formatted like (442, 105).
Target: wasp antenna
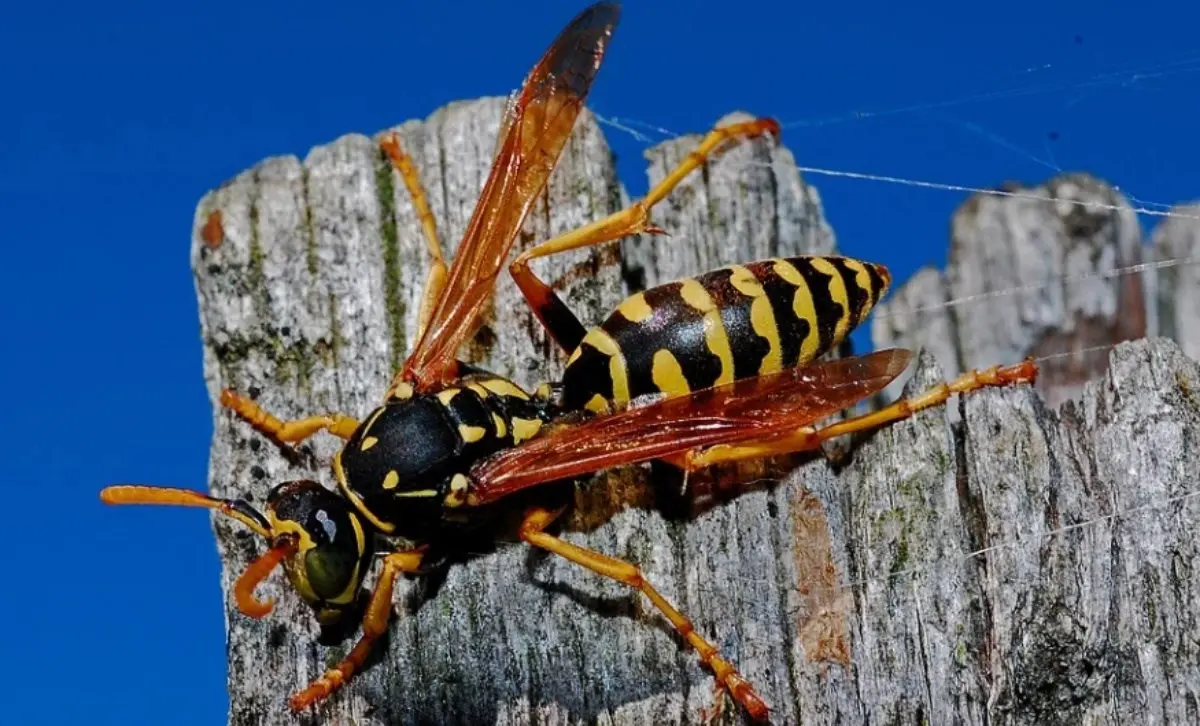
(243, 589)
(172, 496)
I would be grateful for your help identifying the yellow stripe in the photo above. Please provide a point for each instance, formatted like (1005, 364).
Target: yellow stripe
(617, 371)
(447, 395)
(471, 434)
(863, 281)
(694, 294)
(744, 281)
(501, 429)
(802, 308)
(459, 486)
(718, 342)
(837, 291)
(668, 374)
(502, 387)
(635, 309)
(339, 473)
(620, 377)
(368, 443)
(762, 317)
(525, 428)
(597, 404)
(861, 277)
(417, 493)
(402, 391)
(360, 538)
(762, 320)
(391, 480)
(601, 341)
(788, 272)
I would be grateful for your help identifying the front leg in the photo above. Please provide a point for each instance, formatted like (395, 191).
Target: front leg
(375, 624)
(287, 432)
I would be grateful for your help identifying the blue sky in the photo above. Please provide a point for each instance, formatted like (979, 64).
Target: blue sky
(119, 116)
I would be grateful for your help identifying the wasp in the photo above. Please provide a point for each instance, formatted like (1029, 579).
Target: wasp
(713, 369)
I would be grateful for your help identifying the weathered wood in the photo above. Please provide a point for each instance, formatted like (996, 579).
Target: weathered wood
(1030, 273)
(845, 596)
(1175, 243)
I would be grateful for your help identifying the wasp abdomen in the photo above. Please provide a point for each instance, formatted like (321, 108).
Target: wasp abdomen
(732, 323)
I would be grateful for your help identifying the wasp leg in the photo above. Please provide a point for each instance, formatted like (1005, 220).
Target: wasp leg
(536, 520)
(375, 623)
(435, 281)
(554, 314)
(809, 438)
(287, 432)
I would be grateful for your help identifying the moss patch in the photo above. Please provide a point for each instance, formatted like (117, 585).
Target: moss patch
(292, 361)
(385, 187)
(310, 234)
(255, 276)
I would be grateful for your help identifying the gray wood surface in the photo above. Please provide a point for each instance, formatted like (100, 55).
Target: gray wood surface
(846, 594)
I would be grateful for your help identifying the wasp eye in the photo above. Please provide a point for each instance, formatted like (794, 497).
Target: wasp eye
(330, 569)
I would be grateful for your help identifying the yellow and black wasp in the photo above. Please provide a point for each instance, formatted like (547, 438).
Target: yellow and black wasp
(712, 369)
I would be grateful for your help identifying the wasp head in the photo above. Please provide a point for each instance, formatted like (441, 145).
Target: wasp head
(324, 546)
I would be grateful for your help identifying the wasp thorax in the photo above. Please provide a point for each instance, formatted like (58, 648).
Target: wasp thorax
(399, 463)
(332, 552)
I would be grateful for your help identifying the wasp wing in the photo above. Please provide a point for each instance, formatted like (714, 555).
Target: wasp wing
(740, 412)
(535, 130)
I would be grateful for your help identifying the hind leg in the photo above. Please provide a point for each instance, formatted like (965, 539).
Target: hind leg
(728, 679)
(809, 438)
(287, 432)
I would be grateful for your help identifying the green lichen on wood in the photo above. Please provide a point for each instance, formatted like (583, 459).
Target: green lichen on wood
(385, 187)
(292, 361)
(255, 276)
(337, 340)
(310, 234)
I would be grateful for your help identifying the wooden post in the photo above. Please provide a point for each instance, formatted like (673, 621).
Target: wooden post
(847, 596)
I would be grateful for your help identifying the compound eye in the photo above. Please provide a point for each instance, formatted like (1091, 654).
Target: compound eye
(330, 570)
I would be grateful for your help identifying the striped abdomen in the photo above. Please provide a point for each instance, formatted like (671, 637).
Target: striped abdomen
(736, 322)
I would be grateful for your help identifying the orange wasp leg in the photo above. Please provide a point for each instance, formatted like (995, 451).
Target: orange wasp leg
(537, 519)
(375, 624)
(287, 432)
(555, 316)
(809, 438)
(435, 280)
